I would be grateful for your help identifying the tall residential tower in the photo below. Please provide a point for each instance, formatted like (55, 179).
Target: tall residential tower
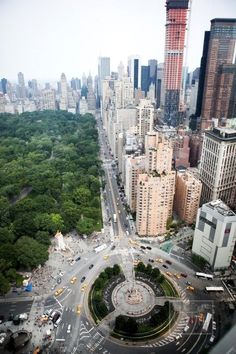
(176, 21)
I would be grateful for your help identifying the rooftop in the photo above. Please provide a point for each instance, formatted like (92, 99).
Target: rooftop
(220, 207)
(225, 134)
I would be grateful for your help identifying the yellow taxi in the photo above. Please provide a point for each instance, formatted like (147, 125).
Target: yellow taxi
(84, 287)
(190, 288)
(59, 292)
(201, 317)
(73, 280)
(178, 276)
(105, 257)
(170, 274)
(78, 309)
(159, 260)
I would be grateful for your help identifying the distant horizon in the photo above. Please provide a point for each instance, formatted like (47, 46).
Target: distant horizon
(74, 34)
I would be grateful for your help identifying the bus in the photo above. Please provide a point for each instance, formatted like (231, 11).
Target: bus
(204, 276)
(207, 322)
(214, 289)
(100, 248)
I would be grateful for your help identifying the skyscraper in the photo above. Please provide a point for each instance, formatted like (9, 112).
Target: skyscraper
(218, 166)
(153, 70)
(134, 70)
(220, 51)
(103, 71)
(145, 78)
(64, 93)
(4, 85)
(176, 20)
(21, 86)
(144, 118)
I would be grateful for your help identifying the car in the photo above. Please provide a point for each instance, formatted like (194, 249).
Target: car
(190, 288)
(201, 317)
(56, 316)
(57, 322)
(143, 247)
(52, 315)
(48, 312)
(77, 259)
(59, 292)
(212, 339)
(69, 328)
(151, 260)
(178, 336)
(183, 275)
(113, 247)
(61, 274)
(188, 283)
(84, 287)
(159, 260)
(168, 273)
(82, 279)
(186, 328)
(177, 275)
(73, 280)
(91, 266)
(164, 266)
(136, 262)
(168, 262)
(149, 248)
(105, 257)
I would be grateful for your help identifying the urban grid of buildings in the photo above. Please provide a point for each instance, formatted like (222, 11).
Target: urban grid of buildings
(171, 132)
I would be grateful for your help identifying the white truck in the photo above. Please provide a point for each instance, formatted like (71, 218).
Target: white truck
(114, 217)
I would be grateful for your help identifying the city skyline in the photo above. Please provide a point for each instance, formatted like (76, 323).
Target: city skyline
(72, 37)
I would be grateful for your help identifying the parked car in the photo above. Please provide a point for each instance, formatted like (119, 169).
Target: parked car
(164, 266)
(149, 248)
(55, 317)
(183, 275)
(83, 279)
(91, 266)
(77, 259)
(168, 262)
(57, 322)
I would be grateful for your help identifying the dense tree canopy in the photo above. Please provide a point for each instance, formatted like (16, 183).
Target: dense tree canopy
(49, 181)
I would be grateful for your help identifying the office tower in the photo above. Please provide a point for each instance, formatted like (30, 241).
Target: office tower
(215, 234)
(4, 85)
(218, 166)
(73, 83)
(103, 71)
(134, 70)
(21, 86)
(91, 98)
(176, 21)
(77, 83)
(10, 91)
(159, 152)
(220, 51)
(145, 78)
(187, 196)
(144, 118)
(225, 91)
(84, 80)
(153, 70)
(159, 86)
(64, 93)
(155, 194)
(49, 99)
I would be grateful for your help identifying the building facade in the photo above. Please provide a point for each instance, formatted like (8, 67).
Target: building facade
(144, 118)
(187, 196)
(218, 166)
(215, 234)
(155, 195)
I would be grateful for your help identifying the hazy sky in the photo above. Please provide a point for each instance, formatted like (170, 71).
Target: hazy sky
(43, 38)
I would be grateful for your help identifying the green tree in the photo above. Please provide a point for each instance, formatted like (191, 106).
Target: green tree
(82, 196)
(155, 273)
(120, 323)
(30, 253)
(141, 267)
(132, 325)
(85, 225)
(116, 269)
(4, 285)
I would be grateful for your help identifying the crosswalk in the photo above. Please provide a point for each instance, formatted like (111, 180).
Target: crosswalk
(170, 338)
(183, 296)
(92, 340)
